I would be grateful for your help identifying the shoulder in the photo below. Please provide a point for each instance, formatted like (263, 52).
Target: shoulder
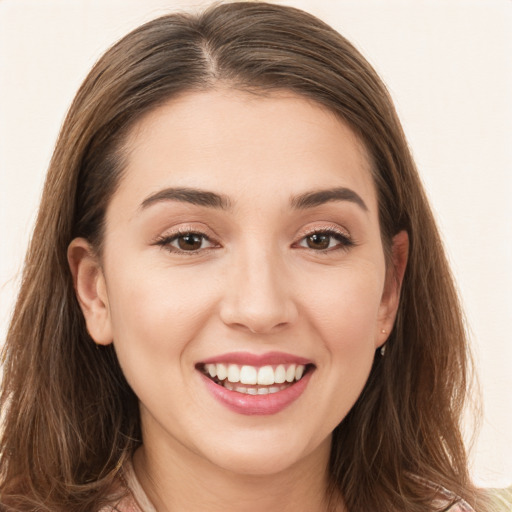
(126, 504)
(460, 506)
(443, 499)
(450, 501)
(129, 496)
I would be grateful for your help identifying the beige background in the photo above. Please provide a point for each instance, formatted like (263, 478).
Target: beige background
(448, 66)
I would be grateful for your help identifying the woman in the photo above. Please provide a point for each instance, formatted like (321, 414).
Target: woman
(235, 296)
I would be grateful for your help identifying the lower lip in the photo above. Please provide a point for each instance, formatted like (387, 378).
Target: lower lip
(252, 405)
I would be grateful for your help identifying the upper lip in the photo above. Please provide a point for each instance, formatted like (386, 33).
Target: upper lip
(250, 359)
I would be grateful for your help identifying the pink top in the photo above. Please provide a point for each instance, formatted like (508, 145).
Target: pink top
(133, 501)
(137, 501)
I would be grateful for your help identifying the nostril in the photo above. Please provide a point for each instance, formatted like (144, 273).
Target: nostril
(263, 329)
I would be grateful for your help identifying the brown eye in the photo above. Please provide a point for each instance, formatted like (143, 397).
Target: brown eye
(190, 242)
(318, 241)
(186, 242)
(326, 240)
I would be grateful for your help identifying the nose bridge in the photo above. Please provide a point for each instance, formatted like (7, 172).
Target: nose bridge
(259, 295)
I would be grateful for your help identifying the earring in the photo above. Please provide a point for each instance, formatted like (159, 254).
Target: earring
(383, 347)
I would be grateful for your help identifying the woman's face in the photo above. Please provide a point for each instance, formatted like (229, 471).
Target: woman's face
(242, 245)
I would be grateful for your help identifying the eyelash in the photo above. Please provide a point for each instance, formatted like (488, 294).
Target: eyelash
(345, 242)
(166, 241)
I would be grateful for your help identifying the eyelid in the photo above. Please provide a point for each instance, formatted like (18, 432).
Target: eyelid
(345, 243)
(324, 228)
(164, 240)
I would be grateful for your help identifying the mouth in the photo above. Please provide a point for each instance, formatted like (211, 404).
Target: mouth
(255, 380)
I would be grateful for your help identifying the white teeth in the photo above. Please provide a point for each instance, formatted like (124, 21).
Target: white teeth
(290, 373)
(266, 376)
(248, 375)
(252, 375)
(234, 373)
(222, 371)
(280, 374)
(253, 390)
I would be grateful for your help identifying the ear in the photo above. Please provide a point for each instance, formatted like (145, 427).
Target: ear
(91, 290)
(391, 295)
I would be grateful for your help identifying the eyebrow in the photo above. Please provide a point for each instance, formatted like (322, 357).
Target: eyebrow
(320, 197)
(188, 195)
(219, 201)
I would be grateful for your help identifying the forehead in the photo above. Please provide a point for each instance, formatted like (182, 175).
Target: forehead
(244, 145)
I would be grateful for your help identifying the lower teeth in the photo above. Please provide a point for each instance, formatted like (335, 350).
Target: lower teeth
(254, 390)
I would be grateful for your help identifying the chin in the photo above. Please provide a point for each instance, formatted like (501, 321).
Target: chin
(262, 456)
(254, 464)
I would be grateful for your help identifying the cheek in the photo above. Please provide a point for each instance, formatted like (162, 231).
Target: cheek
(343, 307)
(156, 316)
(343, 313)
(155, 312)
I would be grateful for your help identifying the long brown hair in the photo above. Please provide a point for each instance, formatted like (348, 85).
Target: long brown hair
(70, 420)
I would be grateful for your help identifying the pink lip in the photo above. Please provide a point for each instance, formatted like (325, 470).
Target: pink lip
(269, 358)
(257, 404)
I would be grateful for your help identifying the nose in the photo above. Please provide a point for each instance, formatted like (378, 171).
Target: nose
(258, 294)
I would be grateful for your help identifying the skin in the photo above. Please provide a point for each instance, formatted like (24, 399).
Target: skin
(253, 285)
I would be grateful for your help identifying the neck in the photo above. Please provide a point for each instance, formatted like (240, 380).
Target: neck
(190, 484)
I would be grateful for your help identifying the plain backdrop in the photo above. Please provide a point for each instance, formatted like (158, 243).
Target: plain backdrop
(448, 65)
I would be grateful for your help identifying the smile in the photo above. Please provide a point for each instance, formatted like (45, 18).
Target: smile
(256, 384)
(253, 380)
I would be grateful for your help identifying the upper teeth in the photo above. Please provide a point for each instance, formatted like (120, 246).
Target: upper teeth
(264, 375)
